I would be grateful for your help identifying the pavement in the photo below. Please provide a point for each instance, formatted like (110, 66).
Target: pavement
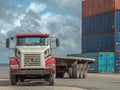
(94, 81)
(104, 75)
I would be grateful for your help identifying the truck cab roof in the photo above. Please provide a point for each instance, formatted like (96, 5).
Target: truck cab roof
(33, 35)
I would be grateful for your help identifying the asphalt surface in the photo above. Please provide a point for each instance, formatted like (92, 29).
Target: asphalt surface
(92, 82)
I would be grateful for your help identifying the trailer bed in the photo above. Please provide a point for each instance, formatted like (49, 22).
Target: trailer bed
(69, 58)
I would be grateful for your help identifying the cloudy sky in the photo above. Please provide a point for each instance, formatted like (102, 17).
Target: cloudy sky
(59, 18)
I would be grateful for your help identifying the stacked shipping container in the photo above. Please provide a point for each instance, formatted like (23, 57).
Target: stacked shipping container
(103, 23)
(97, 7)
(101, 27)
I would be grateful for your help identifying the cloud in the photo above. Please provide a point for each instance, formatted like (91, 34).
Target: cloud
(71, 6)
(66, 28)
(36, 7)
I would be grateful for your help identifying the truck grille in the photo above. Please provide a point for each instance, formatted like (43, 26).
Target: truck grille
(31, 59)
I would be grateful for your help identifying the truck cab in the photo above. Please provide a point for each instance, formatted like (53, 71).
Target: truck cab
(32, 59)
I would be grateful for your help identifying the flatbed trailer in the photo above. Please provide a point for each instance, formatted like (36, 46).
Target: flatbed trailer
(76, 67)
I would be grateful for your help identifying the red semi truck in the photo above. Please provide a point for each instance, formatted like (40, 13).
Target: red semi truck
(33, 59)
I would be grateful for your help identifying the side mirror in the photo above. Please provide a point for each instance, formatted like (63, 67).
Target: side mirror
(57, 42)
(7, 43)
(12, 38)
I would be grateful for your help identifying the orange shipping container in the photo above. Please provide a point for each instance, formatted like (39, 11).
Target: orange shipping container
(117, 4)
(96, 7)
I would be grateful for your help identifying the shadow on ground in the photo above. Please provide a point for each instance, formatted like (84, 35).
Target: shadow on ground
(26, 83)
(32, 83)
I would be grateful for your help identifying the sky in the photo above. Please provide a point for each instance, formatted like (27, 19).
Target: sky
(59, 18)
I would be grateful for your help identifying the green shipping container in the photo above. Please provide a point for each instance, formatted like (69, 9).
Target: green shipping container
(104, 62)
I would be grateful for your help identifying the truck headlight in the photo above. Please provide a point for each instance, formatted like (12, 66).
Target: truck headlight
(14, 66)
(50, 65)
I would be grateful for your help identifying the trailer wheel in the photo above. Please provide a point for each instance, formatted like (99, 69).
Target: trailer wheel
(70, 72)
(81, 71)
(85, 71)
(13, 79)
(22, 79)
(77, 71)
(51, 79)
(73, 72)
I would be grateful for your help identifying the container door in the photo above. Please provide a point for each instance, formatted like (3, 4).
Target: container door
(102, 63)
(117, 62)
(110, 63)
(117, 41)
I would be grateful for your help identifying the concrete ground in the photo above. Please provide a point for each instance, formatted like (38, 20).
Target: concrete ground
(92, 82)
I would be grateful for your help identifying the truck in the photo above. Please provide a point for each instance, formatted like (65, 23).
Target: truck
(33, 59)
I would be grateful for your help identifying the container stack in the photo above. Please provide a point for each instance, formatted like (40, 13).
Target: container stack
(101, 28)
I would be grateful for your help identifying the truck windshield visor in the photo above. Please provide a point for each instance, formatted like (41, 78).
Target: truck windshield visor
(30, 41)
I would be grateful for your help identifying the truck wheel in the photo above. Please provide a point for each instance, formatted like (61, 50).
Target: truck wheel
(81, 71)
(13, 79)
(70, 72)
(22, 79)
(61, 75)
(51, 79)
(85, 71)
(76, 72)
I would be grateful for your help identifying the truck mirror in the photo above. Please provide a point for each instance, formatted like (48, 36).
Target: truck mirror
(7, 43)
(12, 38)
(57, 42)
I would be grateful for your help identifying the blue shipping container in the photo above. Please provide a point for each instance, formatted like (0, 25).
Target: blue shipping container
(109, 42)
(117, 42)
(104, 62)
(110, 62)
(117, 62)
(102, 23)
(98, 43)
(107, 22)
(117, 21)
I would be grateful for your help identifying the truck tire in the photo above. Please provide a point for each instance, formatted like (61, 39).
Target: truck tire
(70, 72)
(51, 79)
(13, 79)
(22, 79)
(85, 71)
(81, 71)
(73, 72)
(77, 71)
(61, 75)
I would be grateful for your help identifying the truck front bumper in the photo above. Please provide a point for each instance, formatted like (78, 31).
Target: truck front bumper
(31, 72)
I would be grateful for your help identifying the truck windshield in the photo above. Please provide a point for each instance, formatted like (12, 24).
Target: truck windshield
(30, 41)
